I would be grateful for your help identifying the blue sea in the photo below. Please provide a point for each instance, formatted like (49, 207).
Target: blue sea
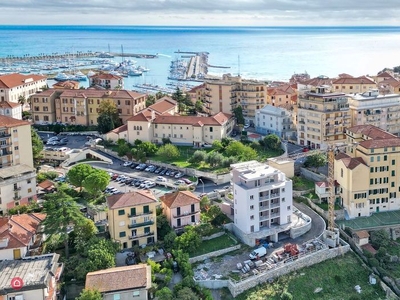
(268, 53)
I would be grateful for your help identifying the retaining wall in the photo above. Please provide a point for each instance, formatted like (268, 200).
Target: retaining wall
(213, 254)
(213, 236)
(312, 176)
(237, 288)
(299, 231)
(339, 214)
(213, 284)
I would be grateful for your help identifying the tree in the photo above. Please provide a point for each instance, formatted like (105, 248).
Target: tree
(205, 203)
(244, 153)
(316, 160)
(108, 112)
(163, 227)
(21, 100)
(214, 158)
(198, 156)
(83, 232)
(272, 141)
(180, 98)
(42, 176)
(169, 240)
(88, 294)
(37, 146)
(186, 293)
(62, 214)
(148, 148)
(96, 182)
(286, 296)
(100, 254)
(380, 238)
(238, 112)
(217, 146)
(165, 294)
(189, 240)
(159, 95)
(150, 100)
(77, 174)
(168, 151)
(198, 106)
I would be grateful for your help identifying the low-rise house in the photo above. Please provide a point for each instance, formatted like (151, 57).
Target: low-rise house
(116, 134)
(46, 186)
(67, 85)
(181, 208)
(322, 190)
(132, 218)
(18, 234)
(38, 276)
(122, 283)
(361, 237)
(107, 81)
(11, 109)
(352, 85)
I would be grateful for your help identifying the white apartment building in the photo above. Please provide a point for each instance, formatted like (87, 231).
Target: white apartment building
(13, 86)
(371, 108)
(107, 81)
(11, 109)
(275, 120)
(262, 202)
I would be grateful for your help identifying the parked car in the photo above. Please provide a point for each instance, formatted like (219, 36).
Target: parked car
(172, 173)
(186, 180)
(114, 177)
(134, 165)
(158, 170)
(179, 175)
(127, 163)
(149, 185)
(139, 182)
(144, 183)
(161, 179)
(247, 125)
(167, 172)
(179, 182)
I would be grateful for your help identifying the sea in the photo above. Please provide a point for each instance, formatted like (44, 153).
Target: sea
(264, 53)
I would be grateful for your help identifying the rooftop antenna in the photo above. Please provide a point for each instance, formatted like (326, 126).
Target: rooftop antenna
(239, 65)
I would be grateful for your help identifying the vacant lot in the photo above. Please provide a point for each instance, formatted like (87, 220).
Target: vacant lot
(222, 242)
(335, 279)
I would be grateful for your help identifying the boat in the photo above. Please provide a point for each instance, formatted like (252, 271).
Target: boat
(91, 73)
(79, 76)
(105, 55)
(142, 69)
(134, 72)
(62, 77)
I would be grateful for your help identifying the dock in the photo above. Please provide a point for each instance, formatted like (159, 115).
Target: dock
(192, 66)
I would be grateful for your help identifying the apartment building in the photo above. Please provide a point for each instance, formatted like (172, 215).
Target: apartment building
(11, 109)
(371, 108)
(40, 276)
(13, 86)
(123, 283)
(132, 218)
(17, 174)
(181, 208)
(322, 116)
(107, 81)
(350, 85)
(262, 198)
(367, 172)
(305, 85)
(18, 233)
(82, 106)
(181, 130)
(283, 95)
(66, 85)
(275, 120)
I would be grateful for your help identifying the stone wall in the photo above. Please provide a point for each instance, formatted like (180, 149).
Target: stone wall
(339, 214)
(312, 176)
(213, 254)
(213, 236)
(213, 284)
(237, 288)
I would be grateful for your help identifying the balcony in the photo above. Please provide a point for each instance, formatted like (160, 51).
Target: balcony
(274, 205)
(275, 215)
(262, 218)
(5, 153)
(275, 195)
(138, 236)
(186, 214)
(17, 188)
(4, 136)
(140, 224)
(150, 212)
(17, 198)
(5, 145)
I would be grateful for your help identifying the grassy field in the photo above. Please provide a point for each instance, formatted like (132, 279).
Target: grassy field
(301, 183)
(336, 278)
(222, 242)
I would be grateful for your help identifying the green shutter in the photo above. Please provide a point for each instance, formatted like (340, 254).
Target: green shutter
(121, 212)
(133, 211)
(145, 209)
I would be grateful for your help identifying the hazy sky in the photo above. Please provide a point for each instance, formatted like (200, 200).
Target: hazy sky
(201, 12)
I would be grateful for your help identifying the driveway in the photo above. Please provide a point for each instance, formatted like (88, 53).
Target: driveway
(317, 226)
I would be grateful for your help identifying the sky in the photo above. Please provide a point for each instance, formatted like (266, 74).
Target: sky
(201, 12)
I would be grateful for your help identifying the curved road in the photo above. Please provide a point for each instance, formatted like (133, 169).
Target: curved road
(317, 225)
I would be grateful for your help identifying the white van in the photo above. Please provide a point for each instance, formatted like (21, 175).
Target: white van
(257, 253)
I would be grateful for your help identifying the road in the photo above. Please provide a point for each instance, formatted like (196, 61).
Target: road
(317, 227)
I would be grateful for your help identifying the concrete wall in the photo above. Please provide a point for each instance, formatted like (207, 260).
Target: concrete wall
(213, 236)
(213, 284)
(237, 288)
(213, 254)
(300, 230)
(312, 176)
(339, 214)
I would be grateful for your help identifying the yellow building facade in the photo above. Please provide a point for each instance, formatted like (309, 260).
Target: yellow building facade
(352, 85)
(367, 172)
(132, 218)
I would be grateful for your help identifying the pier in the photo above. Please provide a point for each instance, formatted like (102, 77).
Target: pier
(192, 67)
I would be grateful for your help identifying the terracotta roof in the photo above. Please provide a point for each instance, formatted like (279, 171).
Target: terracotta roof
(194, 89)
(344, 75)
(380, 143)
(179, 199)
(371, 131)
(88, 93)
(119, 278)
(6, 104)
(105, 76)
(69, 84)
(46, 184)
(369, 248)
(218, 119)
(130, 199)
(353, 162)
(362, 234)
(385, 75)
(46, 93)
(322, 184)
(317, 81)
(16, 79)
(120, 129)
(163, 105)
(9, 122)
(353, 80)
(19, 229)
(143, 116)
(254, 136)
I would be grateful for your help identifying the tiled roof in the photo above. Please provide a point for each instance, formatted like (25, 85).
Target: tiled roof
(317, 81)
(369, 248)
(384, 75)
(194, 89)
(218, 119)
(46, 93)
(88, 93)
(6, 104)
(19, 229)
(106, 76)
(353, 162)
(179, 199)
(371, 131)
(119, 278)
(353, 80)
(362, 234)
(143, 116)
(16, 79)
(69, 84)
(120, 129)
(46, 184)
(322, 184)
(344, 75)
(8, 122)
(130, 199)
(163, 105)
(380, 143)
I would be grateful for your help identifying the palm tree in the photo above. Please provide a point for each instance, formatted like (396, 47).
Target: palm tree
(21, 100)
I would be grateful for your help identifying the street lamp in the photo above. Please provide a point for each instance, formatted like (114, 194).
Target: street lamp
(202, 184)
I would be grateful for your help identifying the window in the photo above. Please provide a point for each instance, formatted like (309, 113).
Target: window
(251, 207)
(372, 169)
(392, 184)
(146, 209)
(29, 190)
(117, 297)
(193, 219)
(133, 211)
(211, 129)
(147, 230)
(252, 217)
(393, 162)
(288, 208)
(251, 197)
(378, 158)
(341, 172)
(136, 294)
(16, 148)
(121, 212)
(372, 159)
(283, 190)
(371, 181)
(283, 199)
(385, 158)
(393, 173)
(122, 234)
